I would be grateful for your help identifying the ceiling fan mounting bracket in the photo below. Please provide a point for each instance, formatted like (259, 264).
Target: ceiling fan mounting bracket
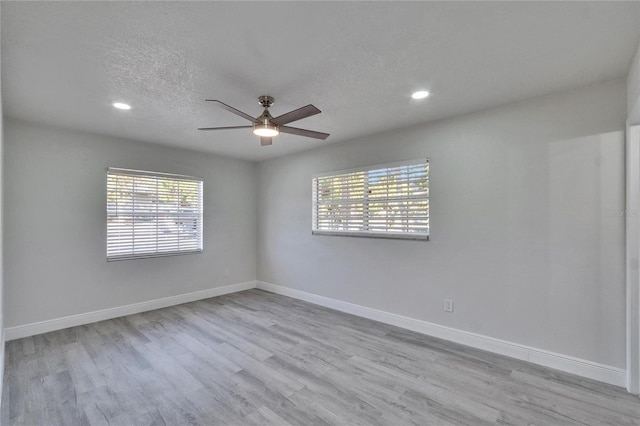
(266, 101)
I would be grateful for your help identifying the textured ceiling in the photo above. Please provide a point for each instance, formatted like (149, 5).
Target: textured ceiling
(64, 63)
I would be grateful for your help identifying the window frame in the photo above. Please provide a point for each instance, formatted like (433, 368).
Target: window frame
(153, 174)
(366, 217)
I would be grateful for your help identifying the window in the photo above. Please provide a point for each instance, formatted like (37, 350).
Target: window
(152, 214)
(388, 200)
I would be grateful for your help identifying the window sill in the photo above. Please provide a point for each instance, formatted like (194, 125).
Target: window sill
(151, 255)
(394, 236)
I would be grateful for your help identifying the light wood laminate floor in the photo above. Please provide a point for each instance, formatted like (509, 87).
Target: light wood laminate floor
(255, 358)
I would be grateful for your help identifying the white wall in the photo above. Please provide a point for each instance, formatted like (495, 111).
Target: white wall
(520, 235)
(633, 224)
(633, 89)
(55, 262)
(1, 242)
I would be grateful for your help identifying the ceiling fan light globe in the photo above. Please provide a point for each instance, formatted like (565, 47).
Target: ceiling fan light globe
(265, 130)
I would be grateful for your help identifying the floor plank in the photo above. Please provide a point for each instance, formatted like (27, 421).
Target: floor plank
(256, 358)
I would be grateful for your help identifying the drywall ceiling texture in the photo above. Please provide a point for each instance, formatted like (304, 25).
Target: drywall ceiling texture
(526, 232)
(55, 241)
(65, 62)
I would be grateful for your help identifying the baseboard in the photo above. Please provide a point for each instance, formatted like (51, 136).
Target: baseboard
(569, 364)
(2, 347)
(32, 329)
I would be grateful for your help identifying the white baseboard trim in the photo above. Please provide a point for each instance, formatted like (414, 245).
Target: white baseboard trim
(569, 364)
(2, 347)
(20, 331)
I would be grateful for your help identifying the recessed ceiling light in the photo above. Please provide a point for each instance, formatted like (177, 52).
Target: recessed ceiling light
(420, 94)
(120, 105)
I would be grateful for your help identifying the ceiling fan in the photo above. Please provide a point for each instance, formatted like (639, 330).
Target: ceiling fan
(267, 126)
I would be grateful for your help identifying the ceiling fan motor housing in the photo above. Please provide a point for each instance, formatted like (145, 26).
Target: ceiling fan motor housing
(265, 128)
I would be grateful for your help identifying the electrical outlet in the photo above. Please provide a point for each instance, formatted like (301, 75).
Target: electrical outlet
(448, 305)
(226, 272)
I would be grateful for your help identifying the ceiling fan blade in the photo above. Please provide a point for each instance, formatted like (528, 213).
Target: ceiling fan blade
(264, 141)
(303, 132)
(225, 128)
(233, 110)
(295, 115)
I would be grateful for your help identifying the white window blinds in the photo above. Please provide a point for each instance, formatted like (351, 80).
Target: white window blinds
(152, 214)
(388, 200)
